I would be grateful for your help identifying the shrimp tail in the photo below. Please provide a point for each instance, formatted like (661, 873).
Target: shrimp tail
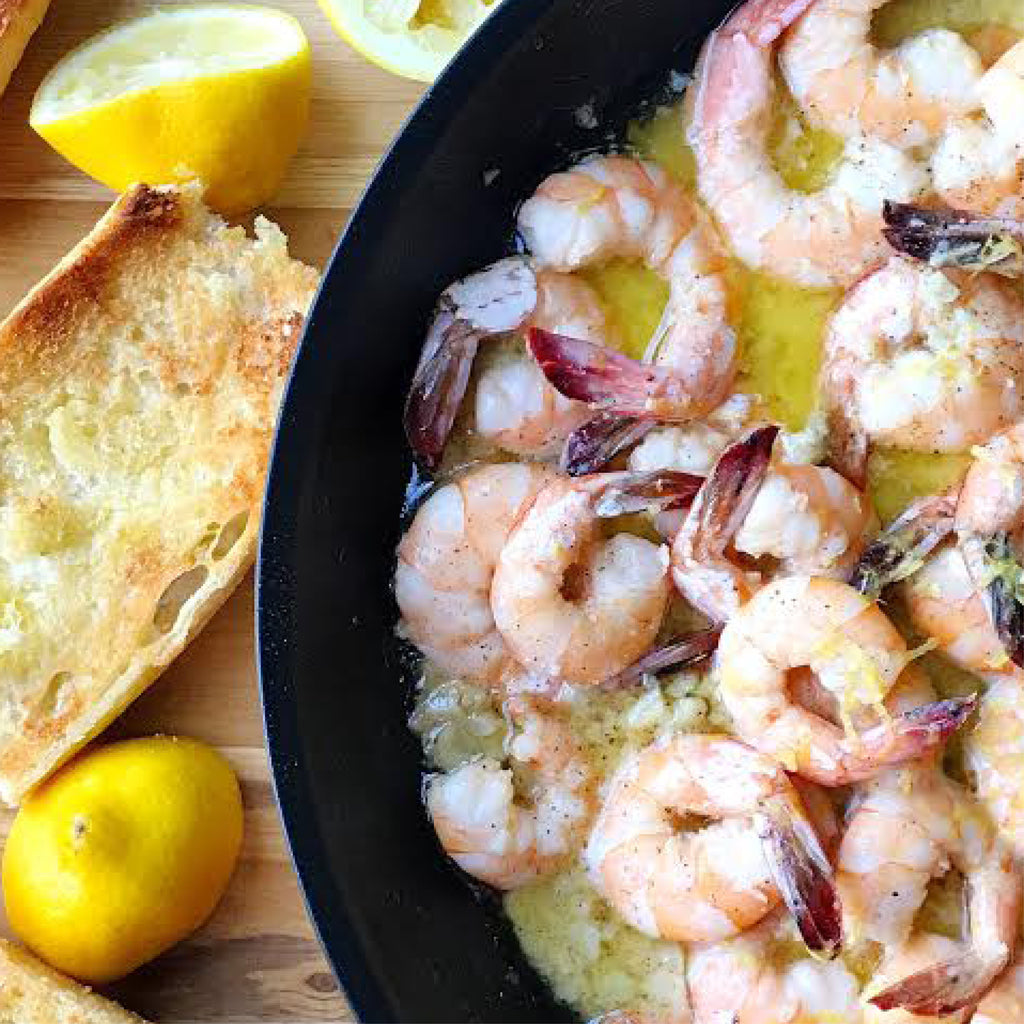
(955, 238)
(803, 875)
(988, 563)
(660, 490)
(911, 735)
(591, 446)
(943, 988)
(497, 299)
(902, 548)
(608, 380)
(728, 493)
(439, 385)
(678, 653)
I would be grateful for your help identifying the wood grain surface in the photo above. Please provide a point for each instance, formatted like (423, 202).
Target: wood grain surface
(257, 959)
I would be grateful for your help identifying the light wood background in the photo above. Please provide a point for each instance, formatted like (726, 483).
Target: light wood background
(257, 959)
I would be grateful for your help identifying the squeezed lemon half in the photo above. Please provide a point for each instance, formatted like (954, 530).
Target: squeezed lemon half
(412, 38)
(217, 93)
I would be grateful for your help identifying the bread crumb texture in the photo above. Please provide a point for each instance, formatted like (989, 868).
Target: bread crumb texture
(139, 386)
(32, 993)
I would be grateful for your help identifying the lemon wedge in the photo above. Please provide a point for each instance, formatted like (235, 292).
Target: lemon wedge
(412, 38)
(217, 93)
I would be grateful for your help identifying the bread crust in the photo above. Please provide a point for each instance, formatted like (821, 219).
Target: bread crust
(198, 325)
(19, 20)
(33, 993)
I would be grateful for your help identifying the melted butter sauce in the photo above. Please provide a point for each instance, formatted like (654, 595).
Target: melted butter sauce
(592, 959)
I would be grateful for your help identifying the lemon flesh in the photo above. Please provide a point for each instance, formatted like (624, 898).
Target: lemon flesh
(412, 38)
(216, 93)
(121, 854)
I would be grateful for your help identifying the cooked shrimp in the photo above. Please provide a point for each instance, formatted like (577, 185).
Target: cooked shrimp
(857, 655)
(831, 237)
(910, 826)
(713, 883)
(989, 521)
(446, 564)
(756, 979)
(614, 206)
(994, 750)
(922, 950)
(945, 604)
(846, 84)
(487, 832)
(690, 448)
(920, 360)
(696, 446)
(979, 163)
(903, 547)
(938, 592)
(569, 604)
(515, 407)
(1004, 1003)
(809, 519)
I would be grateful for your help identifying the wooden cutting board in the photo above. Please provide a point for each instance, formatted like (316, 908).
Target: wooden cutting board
(257, 959)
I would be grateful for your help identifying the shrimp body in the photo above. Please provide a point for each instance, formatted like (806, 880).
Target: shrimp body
(693, 447)
(569, 604)
(944, 603)
(714, 883)
(830, 237)
(857, 655)
(910, 826)
(995, 755)
(750, 979)
(977, 169)
(446, 565)
(904, 96)
(614, 206)
(992, 496)
(809, 519)
(515, 407)
(979, 162)
(488, 832)
(1004, 1003)
(920, 361)
(989, 518)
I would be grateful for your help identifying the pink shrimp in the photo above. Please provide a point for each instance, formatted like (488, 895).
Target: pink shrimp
(808, 518)
(857, 655)
(713, 883)
(515, 408)
(614, 206)
(830, 237)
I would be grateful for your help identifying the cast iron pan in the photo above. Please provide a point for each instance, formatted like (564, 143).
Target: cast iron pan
(408, 938)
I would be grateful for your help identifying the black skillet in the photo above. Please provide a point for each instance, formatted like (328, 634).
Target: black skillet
(409, 940)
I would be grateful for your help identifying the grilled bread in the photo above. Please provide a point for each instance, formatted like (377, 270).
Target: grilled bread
(18, 20)
(32, 993)
(139, 386)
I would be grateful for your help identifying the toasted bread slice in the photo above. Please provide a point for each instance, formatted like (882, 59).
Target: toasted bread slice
(32, 993)
(18, 21)
(139, 386)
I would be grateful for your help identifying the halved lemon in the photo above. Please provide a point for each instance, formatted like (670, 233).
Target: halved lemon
(413, 38)
(217, 93)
